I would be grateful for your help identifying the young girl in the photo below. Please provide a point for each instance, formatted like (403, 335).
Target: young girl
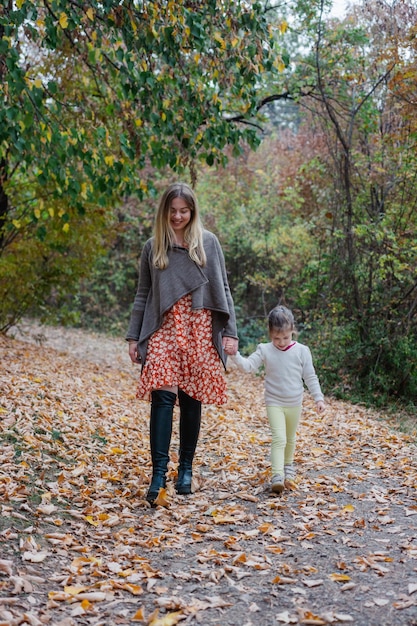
(182, 316)
(287, 364)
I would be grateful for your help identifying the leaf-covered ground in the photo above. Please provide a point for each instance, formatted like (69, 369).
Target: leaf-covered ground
(80, 545)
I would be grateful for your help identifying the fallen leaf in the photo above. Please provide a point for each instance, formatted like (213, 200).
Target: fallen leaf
(339, 577)
(167, 620)
(412, 587)
(6, 567)
(312, 583)
(34, 557)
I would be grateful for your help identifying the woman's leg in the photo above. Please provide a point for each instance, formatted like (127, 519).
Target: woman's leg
(162, 407)
(190, 421)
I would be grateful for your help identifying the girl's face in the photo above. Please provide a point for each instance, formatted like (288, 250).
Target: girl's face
(281, 338)
(179, 216)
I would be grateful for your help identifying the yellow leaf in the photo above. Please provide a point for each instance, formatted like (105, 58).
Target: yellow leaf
(283, 27)
(312, 620)
(348, 508)
(117, 451)
(318, 451)
(90, 14)
(223, 519)
(220, 40)
(65, 227)
(109, 159)
(73, 590)
(135, 590)
(91, 520)
(139, 616)
(16, 223)
(275, 549)
(241, 558)
(266, 527)
(83, 560)
(340, 578)
(284, 580)
(20, 3)
(167, 620)
(38, 83)
(138, 122)
(63, 20)
(162, 499)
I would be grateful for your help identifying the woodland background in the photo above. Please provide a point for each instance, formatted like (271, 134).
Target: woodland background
(297, 130)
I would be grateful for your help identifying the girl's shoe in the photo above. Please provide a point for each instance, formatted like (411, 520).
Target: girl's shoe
(277, 484)
(290, 475)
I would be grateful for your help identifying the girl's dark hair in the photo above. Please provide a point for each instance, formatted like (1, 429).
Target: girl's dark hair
(281, 318)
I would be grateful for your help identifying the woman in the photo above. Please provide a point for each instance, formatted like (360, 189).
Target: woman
(182, 314)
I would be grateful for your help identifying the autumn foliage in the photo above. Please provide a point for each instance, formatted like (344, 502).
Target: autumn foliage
(80, 544)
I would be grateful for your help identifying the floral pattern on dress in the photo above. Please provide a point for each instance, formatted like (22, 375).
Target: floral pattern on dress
(181, 353)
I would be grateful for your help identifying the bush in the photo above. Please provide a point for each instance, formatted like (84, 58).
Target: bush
(379, 371)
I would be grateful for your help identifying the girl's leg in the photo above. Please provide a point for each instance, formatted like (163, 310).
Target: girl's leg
(276, 419)
(292, 418)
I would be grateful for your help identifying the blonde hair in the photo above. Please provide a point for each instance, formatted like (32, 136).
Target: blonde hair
(163, 233)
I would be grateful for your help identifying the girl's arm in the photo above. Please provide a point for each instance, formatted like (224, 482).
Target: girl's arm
(310, 378)
(249, 364)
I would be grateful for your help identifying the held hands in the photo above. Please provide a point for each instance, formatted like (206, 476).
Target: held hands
(230, 345)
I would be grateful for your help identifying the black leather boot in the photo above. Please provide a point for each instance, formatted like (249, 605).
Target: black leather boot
(160, 436)
(190, 420)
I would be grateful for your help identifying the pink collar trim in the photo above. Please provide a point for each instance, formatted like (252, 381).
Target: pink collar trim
(288, 347)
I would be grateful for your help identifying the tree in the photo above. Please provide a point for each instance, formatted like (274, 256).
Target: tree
(368, 282)
(96, 95)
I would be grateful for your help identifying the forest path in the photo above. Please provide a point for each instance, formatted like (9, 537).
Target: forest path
(80, 545)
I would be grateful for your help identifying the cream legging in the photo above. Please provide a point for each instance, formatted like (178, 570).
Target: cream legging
(283, 421)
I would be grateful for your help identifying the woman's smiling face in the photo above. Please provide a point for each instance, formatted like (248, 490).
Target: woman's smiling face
(180, 215)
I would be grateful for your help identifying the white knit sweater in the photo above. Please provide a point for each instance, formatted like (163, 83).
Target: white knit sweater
(285, 371)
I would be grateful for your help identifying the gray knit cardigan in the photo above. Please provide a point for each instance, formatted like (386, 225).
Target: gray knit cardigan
(158, 290)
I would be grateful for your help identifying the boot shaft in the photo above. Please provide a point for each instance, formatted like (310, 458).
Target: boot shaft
(160, 429)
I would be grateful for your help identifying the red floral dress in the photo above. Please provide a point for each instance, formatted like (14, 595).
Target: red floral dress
(181, 353)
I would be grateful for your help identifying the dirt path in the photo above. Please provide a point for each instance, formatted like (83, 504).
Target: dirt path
(80, 546)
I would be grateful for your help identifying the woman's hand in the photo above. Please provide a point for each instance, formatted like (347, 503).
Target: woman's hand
(230, 345)
(133, 352)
